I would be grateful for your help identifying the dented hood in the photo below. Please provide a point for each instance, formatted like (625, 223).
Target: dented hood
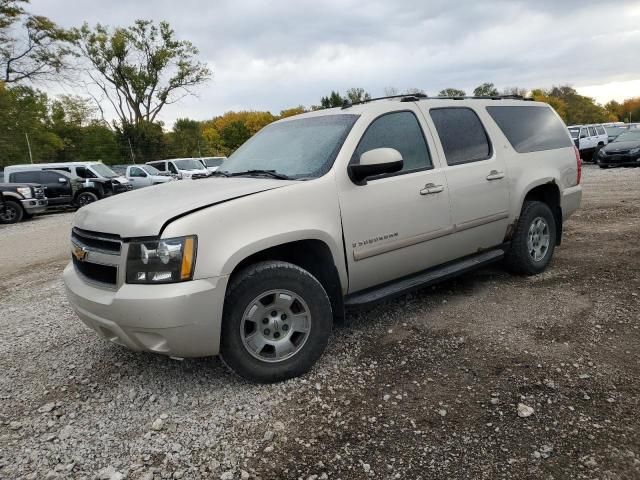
(144, 212)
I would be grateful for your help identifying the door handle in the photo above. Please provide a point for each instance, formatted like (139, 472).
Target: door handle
(495, 175)
(431, 188)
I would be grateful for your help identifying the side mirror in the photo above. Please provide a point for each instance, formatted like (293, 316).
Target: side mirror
(375, 162)
(62, 180)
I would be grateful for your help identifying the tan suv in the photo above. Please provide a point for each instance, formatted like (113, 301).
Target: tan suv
(320, 212)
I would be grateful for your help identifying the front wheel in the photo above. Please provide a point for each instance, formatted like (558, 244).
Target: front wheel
(276, 322)
(12, 212)
(85, 198)
(533, 241)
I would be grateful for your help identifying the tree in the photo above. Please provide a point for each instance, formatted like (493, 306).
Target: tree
(357, 95)
(140, 69)
(186, 138)
(145, 139)
(415, 91)
(485, 90)
(521, 92)
(290, 112)
(234, 135)
(32, 47)
(332, 101)
(452, 92)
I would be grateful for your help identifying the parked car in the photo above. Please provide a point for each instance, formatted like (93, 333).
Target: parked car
(623, 151)
(86, 170)
(589, 139)
(21, 201)
(66, 190)
(181, 167)
(142, 175)
(212, 163)
(321, 211)
(613, 132)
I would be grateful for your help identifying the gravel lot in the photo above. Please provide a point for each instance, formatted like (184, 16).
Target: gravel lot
(425, 386)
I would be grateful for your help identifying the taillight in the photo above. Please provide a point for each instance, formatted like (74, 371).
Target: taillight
(578, 165)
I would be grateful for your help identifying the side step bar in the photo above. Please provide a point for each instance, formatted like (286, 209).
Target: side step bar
(422, 279)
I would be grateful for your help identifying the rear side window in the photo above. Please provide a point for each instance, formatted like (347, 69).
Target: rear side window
(462, 135)
(600, 130)
(160, 166)
(399, 130)
(25, 177)
(531, 128)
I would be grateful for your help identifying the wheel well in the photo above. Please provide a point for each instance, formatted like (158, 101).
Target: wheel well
(549, 193)
(312, 255)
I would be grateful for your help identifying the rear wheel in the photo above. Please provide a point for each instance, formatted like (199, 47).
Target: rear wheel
(85, 198)
(533, 241)
(276, 323)
(12, 212)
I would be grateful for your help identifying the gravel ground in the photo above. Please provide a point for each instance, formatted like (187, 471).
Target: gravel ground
(489, 376)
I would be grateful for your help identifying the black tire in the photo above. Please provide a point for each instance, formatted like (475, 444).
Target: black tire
(11, 213)
(519, 259)
(85, 198)
(251, 283)
(604, 166)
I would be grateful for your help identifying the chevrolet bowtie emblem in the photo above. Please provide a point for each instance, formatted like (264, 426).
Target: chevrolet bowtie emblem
(79, 252)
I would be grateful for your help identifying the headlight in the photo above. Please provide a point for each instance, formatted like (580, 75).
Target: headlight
(633, 151)
(168, 260)
(24, 191)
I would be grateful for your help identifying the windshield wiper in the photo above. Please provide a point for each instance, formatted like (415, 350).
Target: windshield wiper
(270, 173)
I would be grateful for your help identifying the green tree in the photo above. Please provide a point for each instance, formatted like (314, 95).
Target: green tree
(452, 92)
(140, 69)
(145, 139)
(485, 90)
(332, 101)
(234, 135)
(357, 95)
(186, 138)
(32, 47)
(289, 112)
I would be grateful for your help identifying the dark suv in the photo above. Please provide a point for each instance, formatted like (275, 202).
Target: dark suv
(20, 201)
(64, 189)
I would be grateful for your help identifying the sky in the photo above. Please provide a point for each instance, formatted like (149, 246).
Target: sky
(272, 55)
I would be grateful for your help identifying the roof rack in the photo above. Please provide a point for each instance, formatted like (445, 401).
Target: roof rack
(414, 97)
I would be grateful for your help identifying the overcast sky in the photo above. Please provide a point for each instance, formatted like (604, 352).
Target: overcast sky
(270, 55)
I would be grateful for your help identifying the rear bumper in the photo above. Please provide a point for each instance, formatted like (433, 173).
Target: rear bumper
(570, 201)
(34, 205)
(179, 319)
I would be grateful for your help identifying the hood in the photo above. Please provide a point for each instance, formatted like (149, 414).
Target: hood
(617, 146)
(144, 212)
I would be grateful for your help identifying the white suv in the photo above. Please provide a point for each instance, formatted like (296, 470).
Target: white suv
(319, 212)
(589, 139)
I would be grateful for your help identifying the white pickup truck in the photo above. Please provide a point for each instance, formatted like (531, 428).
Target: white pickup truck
(319, 212)
(142, 175)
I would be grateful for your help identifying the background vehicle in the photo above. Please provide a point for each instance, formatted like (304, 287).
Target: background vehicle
(613, 131)
(142, 175)
(77, 169)
(21, 201)
(212, 163)
(624, 151)
(318, 212)
(589, 139)
(181, 167)
(63, 189)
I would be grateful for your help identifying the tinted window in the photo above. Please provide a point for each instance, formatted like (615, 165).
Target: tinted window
(25, 177)
(592, 132)
(532, 129)
(160, 166)
(172, 168)
(84, 172)
(51, 177)
(400, 131)
(462, 135)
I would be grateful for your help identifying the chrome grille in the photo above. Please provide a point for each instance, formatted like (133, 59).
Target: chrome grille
(98, 257)
(98, 242)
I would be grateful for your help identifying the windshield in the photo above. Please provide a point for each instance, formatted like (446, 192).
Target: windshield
(102, 170)
(574, 132)
(628, 137)
(150, 170)
(189, 164)
(304, 148)
(212, 162)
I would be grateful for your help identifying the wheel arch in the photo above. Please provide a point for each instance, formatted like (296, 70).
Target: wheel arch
(548, 192)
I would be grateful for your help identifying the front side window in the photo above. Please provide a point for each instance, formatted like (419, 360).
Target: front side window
(50, 177)
(137, 172)
(299, 148)
(401, 131)
(462, 135)
(172, 168)
(531, 128)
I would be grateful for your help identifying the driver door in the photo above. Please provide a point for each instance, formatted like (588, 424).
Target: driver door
(397, 223)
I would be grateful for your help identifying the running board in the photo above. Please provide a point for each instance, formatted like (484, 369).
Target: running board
(422, 279)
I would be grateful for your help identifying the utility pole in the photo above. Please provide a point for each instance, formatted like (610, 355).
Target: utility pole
(28, 146)
(133, 158)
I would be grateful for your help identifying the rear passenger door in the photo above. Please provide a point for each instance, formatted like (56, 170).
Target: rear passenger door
(477, 178)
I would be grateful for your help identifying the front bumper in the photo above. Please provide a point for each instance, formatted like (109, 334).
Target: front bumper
(177, 319)
(34, 206)
(623, 160)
